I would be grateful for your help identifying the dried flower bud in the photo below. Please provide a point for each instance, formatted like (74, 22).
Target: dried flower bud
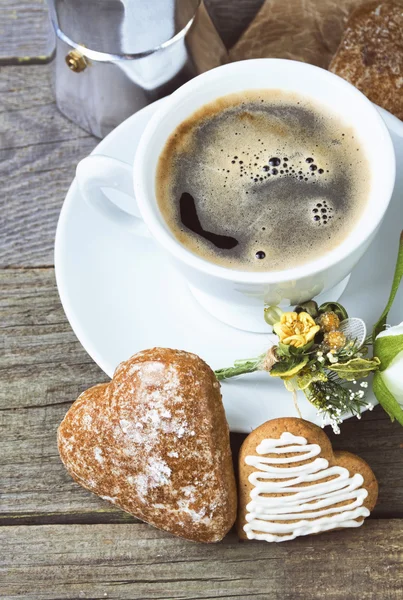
(328, 321)
(335, 340)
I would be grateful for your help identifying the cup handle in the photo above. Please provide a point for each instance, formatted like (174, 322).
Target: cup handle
(95, 173)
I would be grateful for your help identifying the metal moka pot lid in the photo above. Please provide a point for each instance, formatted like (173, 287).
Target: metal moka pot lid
(121, 27)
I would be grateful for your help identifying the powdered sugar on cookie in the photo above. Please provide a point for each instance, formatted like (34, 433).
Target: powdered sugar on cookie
(156, 441)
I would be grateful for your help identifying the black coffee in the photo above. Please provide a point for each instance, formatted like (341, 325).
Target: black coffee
(262, 181)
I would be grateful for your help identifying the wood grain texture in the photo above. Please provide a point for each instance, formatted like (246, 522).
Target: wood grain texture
(135, 562)
(24, 29)
(39, 151)
(44, 369)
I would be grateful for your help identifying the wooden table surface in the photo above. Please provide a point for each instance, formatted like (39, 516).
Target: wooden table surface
(57, 541)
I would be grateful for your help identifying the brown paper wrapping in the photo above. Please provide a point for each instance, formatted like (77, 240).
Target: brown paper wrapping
(306, 30)
(207, 49)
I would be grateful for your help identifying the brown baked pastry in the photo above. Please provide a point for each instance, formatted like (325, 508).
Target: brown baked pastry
(155, 442)
(370, 55)
(291, 483)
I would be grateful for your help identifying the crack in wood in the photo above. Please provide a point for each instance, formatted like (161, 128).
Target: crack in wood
(46, 143)
(27, 268)
(33, 406)
(26, 61)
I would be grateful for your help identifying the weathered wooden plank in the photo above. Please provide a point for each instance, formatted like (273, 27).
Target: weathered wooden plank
(36, 334)
(24, 28)
(44, 369)
(137, 562)
(39, 150)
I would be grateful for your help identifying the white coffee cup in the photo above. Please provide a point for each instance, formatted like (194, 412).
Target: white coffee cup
(233, 296)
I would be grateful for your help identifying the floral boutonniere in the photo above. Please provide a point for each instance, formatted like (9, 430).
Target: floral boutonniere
(324, 353)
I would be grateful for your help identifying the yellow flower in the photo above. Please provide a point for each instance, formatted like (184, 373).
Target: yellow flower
(296, 329)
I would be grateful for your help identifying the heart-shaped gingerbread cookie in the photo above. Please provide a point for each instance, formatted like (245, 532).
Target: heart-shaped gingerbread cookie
(155, 442)
(293, 484)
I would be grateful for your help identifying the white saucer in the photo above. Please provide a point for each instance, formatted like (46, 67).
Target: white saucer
(121, 294)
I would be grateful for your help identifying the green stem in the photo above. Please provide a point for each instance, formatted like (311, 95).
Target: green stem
(243, 361)
(395, 286)
(248, 365)
(368, 340)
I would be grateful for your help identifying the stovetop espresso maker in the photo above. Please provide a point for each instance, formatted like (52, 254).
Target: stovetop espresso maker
(114, 57)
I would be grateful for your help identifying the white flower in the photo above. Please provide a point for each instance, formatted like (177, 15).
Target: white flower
(389, 349)
(332, 358)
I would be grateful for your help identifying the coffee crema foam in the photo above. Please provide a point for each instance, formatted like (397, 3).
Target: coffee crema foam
(262, 181)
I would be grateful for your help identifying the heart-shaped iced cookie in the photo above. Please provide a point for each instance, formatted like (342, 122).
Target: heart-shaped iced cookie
(155, 442)
(293, 484)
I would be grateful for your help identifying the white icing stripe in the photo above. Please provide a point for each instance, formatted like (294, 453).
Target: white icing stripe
(270, 447)
(284, 472)
(267, 515)
(285, 440)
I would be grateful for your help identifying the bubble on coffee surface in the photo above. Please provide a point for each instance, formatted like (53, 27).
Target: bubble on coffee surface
(261, 182)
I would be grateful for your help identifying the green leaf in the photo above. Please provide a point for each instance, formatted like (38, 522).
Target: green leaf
(356, 368)
(386, 399)
(298, 351)
(307, 376)
(336, 308)
(288, 350)
(395, 286)
(283, 350)
(309, 307)
(387, 347)
(289, 367)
